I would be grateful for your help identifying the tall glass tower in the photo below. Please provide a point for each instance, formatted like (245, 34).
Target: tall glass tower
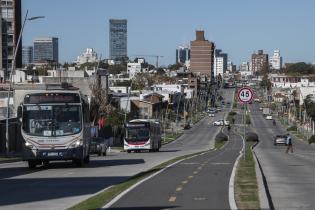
(46, 49)
(117, 39)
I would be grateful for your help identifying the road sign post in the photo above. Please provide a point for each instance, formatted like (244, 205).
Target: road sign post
(245, 95)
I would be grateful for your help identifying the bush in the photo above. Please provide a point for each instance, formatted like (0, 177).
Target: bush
(221, 137)
(292, 128)
(251, 136)
(248, 119)
(232, 113)
(312, 139)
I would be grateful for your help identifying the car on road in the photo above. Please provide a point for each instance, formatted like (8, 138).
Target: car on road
(280, 139)
(212, 111)
(221, 123)
(268, 117)
(211, 114)
(99, 146)
(257, 100)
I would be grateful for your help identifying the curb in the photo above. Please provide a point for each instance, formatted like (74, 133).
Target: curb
(11, 161)
(232, 201)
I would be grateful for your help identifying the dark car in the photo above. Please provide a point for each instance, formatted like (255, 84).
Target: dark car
(99, 146)
(280, 139)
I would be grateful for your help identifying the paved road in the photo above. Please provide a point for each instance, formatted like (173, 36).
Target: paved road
(290, 177)
(199, 183)
(62, 185)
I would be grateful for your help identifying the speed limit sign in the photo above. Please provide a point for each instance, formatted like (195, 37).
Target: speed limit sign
(245, 94)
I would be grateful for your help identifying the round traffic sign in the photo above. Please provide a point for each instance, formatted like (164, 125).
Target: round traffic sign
(245, 94)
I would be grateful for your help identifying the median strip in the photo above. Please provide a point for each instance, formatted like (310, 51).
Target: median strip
(246, 187)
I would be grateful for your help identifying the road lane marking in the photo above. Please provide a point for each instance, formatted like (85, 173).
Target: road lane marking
(190, 177)
(179, 188)
(221, 163)
(184, 182)
(199, 168)
(195, 172)
(172, 199)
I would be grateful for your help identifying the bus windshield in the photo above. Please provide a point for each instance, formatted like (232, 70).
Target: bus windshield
(51, 120)
(137, 133)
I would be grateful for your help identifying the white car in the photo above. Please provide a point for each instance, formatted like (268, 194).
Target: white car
(211, 115)
(268, 117)
(221, 122)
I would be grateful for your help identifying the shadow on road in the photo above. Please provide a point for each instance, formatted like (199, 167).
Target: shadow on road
(44, 189)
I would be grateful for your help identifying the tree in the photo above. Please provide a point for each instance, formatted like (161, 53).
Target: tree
(265, 83)
(99, 103)
(300, 68)
(310, 106)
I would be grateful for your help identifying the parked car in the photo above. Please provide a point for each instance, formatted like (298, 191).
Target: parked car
(268, 117)
(280, 139)
(221, 123)
(99, 146)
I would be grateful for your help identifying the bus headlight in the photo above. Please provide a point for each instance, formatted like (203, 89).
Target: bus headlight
(76, 143)
(29, 145)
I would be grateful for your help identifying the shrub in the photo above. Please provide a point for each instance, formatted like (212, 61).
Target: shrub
(312, 139)
(292, 128)
(251, 136)
(221, 137)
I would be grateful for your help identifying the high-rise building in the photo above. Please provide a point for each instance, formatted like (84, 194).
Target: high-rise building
(10, 30)
(220, 62)
(260, 62)
(182, 54)
(46, 50)
(27, 55)
(117, 39)
(202, 55)
(276, 60)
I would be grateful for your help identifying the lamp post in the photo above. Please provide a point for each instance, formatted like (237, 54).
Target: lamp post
(10, 78)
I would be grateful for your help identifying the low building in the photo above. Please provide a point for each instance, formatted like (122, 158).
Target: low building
(285, 81)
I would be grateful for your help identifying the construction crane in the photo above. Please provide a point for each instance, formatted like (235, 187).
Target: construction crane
(156, 56)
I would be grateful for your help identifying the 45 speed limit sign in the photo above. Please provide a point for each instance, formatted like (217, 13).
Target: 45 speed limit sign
(245, 94)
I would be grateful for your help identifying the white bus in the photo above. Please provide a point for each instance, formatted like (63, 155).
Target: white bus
(55, 126)
(142, 134)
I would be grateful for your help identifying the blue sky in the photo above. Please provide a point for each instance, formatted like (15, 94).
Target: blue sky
(158, 27)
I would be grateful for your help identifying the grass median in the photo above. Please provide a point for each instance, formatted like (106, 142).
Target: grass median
(246, 187)
(101, 199)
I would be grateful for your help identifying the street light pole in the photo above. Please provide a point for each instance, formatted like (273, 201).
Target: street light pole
(10, 79)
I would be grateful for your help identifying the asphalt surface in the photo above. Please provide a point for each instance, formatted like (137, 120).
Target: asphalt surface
(197, 183)
(62, 185)
(290, 177)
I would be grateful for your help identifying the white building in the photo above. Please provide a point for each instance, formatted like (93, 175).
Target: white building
(244, 66)
(283, 81)
(88, 56)
(134, 68)
(276, 60)
(218, 66)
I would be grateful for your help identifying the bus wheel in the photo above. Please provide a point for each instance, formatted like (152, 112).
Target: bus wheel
(31, 164)
(104, 153)
(128, 151)
(87, 159)
(46, 163)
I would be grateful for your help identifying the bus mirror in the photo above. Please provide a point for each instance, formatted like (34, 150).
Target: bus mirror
(19, 112)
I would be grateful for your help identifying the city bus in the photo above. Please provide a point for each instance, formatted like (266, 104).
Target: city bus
(55, 126)
(142, 134)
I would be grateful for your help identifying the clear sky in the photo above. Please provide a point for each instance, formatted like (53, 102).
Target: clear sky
(158, 27)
